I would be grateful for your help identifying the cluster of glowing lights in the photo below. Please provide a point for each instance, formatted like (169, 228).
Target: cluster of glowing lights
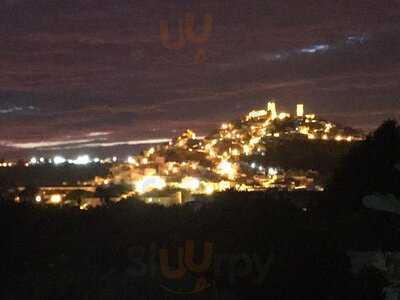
(303, 129)
(81, 160)
(84, 206)
(338, 138)
(131, 160)
(256, 114)
(149, 183)
(190, 183)
(246, 150)
(58, 160)
(209, 189)
(235, 152)
(283, 116)
(226, 168)
(328, 127)
(272, 171)
(310, 116)
(55, 199)
(6, 164)
(150, 151)
(254, 141)
(226, 126)
(34, 160)
(224, 185)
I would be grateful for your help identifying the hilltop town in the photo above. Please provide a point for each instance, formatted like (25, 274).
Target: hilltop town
(235, 156)
(264, 150)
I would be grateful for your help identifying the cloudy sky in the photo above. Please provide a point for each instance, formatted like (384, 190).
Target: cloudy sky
(96, 73)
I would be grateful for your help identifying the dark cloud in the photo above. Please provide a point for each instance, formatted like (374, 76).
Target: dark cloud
(69, 68)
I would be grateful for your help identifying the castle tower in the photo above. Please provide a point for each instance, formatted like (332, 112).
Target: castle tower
(271, 107)
(300, 110)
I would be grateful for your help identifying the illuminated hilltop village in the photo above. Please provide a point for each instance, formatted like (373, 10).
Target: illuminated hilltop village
(190, 165)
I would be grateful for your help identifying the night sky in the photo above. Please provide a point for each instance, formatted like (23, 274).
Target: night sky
(95, 73)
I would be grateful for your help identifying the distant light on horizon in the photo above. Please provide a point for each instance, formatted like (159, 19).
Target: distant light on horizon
(57, 160)
(82, 160)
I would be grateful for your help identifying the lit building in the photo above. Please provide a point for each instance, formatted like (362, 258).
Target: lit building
(271, 107)
(300, 110)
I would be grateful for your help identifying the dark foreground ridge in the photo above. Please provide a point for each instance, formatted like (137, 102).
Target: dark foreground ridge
(341, 243)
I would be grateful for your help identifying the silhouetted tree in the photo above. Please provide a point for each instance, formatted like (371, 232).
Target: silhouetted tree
(370, 167)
